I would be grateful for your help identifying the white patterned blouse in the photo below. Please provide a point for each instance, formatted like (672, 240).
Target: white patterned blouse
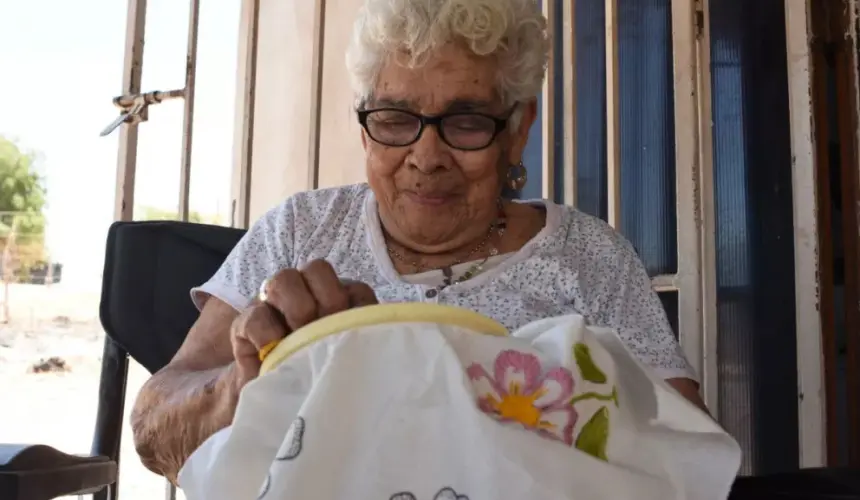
(576, 264)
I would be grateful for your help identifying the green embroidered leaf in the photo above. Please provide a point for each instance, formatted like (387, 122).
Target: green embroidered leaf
(594, 435)
(587, 368)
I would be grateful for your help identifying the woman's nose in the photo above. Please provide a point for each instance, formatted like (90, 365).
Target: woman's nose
(430, 152)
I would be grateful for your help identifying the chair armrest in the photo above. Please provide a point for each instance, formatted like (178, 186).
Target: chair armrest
(39, 472)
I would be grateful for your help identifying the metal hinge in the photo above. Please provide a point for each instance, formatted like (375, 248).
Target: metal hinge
(135, 108)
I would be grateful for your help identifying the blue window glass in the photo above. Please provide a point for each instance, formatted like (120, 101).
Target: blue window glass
(647, 128)
(756, 348)
(647, 132)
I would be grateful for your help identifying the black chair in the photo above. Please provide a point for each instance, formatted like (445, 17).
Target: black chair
(146, 313)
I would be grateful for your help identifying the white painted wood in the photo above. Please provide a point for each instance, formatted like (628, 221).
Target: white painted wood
(810, 362)
(549, 110)
(688, 209)
(613, 127)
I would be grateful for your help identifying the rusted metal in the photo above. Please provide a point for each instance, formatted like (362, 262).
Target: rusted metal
(135, 107)
(132, 74)
(127, 101)
(820, 41)
(188, 117)
(845, 67)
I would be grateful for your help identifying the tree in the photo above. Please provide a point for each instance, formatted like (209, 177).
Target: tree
(153, 213)
(22, 223)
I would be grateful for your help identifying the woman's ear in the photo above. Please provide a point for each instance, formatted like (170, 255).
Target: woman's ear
(527, 112)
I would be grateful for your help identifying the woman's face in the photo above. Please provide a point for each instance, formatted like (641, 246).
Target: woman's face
(431, 196)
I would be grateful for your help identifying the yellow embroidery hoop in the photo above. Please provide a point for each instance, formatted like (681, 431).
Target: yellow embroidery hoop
(273, 355)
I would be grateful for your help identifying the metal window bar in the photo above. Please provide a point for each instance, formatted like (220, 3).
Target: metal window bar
(188, 116)
(131, 80)
(134, 107)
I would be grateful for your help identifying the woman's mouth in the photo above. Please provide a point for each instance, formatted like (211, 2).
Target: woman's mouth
(430, 199)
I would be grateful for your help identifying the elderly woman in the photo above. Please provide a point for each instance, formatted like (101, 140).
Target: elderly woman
(446, 94)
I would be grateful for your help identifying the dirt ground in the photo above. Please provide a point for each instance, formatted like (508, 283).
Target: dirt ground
(58, 407)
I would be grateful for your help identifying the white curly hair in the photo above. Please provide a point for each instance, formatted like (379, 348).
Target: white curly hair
(513, 31)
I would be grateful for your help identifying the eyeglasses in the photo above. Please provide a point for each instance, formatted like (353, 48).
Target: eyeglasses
(464, 131)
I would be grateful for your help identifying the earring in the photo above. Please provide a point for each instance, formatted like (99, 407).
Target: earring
(518, 176)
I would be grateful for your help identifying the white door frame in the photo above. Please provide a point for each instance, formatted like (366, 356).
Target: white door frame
(810, 362)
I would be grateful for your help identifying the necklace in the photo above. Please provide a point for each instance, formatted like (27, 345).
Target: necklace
(418, 267)
(498, 226)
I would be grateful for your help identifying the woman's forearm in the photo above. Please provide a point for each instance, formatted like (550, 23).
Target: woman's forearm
(177, 410)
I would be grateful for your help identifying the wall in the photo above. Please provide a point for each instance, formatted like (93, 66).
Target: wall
(283, 105)
(340, 156)
(284, 149)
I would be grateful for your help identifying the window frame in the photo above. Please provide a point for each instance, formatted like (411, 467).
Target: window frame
(695, 279)
(810, 367)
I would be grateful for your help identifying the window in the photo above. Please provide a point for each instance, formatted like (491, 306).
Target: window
(178, 164)
(614, 100)
(679, 117)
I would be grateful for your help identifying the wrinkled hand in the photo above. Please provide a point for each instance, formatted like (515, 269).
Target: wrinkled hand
(293, 298)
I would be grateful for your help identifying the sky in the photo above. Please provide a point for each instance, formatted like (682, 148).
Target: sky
(61, 64)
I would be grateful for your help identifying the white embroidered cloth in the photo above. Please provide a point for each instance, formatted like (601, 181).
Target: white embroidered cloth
(439, 411)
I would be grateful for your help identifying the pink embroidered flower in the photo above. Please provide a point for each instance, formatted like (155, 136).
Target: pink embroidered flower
(518, 392)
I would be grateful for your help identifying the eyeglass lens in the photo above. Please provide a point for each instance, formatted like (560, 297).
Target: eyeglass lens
(461, 130)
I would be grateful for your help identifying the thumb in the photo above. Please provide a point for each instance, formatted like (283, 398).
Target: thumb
(360, 294)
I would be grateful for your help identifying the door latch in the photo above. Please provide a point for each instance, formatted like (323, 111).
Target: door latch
(134, 108)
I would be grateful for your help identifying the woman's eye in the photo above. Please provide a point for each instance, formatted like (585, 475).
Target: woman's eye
(396, 123)
(392, 120)
(470, 123)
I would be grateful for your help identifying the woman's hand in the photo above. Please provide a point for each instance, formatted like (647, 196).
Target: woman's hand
(293, 298)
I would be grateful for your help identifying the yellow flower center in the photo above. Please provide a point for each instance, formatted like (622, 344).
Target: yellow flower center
(519, 407)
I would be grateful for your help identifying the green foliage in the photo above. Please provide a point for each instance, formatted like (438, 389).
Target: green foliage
(22, 200)
(22, 189)
(153, 213)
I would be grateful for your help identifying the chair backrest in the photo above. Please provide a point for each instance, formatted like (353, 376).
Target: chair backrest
(149, 269)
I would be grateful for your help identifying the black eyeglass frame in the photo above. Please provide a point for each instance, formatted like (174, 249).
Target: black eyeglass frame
(436, 121)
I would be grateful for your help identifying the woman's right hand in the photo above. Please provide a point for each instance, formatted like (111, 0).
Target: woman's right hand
(293, 298)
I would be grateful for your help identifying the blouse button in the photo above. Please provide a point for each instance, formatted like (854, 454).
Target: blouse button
(431, 293)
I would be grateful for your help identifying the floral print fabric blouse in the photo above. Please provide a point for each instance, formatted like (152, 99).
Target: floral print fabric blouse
(577, 264)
